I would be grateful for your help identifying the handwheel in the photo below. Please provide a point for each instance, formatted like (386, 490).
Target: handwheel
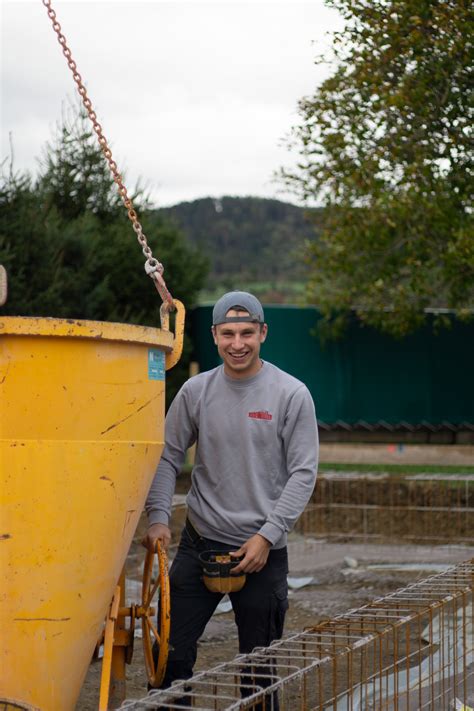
(155, 666)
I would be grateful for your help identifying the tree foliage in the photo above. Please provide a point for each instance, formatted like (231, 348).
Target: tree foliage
(74, 177)
(69, 248)
(386, 144)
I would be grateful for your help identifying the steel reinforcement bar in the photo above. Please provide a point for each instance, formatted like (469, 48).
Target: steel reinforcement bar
(421, 508)
(412, 649)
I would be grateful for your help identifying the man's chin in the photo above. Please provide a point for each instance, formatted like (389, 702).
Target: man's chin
(238, 364)
(237, 368)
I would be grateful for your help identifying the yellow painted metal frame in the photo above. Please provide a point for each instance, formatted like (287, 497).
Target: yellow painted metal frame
(108, 650)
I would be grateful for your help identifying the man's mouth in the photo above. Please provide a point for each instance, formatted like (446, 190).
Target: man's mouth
(238, 356)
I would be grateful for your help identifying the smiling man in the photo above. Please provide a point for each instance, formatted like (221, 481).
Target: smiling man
(255, 469)
(238, 335)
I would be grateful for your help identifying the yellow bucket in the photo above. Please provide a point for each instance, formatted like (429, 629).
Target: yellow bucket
(81, 433)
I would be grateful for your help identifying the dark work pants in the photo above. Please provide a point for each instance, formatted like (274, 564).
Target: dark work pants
(259, 608)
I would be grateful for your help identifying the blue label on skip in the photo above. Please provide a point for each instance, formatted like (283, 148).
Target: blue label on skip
(156, 364)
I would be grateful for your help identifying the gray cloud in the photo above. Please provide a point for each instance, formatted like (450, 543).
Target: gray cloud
(194, 97)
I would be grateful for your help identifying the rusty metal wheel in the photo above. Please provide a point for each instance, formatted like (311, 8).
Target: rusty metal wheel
(150, 632)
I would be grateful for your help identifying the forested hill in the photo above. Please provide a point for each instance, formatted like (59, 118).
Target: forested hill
(251, 243)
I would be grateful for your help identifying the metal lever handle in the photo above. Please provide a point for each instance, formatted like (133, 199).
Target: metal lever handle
(173, 357)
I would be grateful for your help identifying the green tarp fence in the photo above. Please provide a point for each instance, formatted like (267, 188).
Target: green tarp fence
(365, 376)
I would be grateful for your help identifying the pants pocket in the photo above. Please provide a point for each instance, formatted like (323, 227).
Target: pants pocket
(279, 610)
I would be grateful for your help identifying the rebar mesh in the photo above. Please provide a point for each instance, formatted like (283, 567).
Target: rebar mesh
(429, 509)
(412, 649)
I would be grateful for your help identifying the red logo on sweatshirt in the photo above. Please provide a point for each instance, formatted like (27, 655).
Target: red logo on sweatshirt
(261, 415)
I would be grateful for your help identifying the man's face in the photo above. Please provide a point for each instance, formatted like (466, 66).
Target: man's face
(238, 344)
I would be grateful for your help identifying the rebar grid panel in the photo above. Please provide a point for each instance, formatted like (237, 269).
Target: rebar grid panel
(412, 649)
(426, 509)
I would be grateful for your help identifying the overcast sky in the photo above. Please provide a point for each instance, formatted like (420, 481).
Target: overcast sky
(195, 98)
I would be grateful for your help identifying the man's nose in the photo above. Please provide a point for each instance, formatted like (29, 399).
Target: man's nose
(237, 342)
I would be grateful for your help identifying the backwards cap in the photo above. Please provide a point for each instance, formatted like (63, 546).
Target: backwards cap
(237, 299)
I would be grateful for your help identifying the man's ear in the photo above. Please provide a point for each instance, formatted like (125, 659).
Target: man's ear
(213, 331)
(263, 333)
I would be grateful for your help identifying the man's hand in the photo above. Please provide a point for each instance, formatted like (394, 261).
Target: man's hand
(160, 532)
(255, 552)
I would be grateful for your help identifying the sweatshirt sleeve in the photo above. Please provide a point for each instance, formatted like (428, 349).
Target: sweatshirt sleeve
(300, 441)
(180, 433)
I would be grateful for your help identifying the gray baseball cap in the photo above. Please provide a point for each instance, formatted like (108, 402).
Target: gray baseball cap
(241, 299)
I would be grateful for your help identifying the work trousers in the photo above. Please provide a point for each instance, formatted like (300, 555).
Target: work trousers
(259, 609)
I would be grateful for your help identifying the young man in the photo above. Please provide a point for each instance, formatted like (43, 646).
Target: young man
(255, 469)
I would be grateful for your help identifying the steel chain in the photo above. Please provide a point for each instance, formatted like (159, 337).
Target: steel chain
(153, 267)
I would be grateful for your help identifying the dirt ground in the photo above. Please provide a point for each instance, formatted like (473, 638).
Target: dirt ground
(341, 579)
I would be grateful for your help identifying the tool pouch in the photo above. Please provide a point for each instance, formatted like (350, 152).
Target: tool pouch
(217, 572)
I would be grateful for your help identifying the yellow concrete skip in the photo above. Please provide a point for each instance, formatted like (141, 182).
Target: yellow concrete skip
(81, 432)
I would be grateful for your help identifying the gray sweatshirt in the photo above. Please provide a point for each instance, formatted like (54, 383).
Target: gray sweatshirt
(256, 455)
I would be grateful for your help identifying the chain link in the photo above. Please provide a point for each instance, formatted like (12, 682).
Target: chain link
(153, 267)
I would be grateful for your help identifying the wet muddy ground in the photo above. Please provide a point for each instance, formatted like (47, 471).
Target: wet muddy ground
(342, 578)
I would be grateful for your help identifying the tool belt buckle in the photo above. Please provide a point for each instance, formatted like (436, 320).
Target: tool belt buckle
(217, 572)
